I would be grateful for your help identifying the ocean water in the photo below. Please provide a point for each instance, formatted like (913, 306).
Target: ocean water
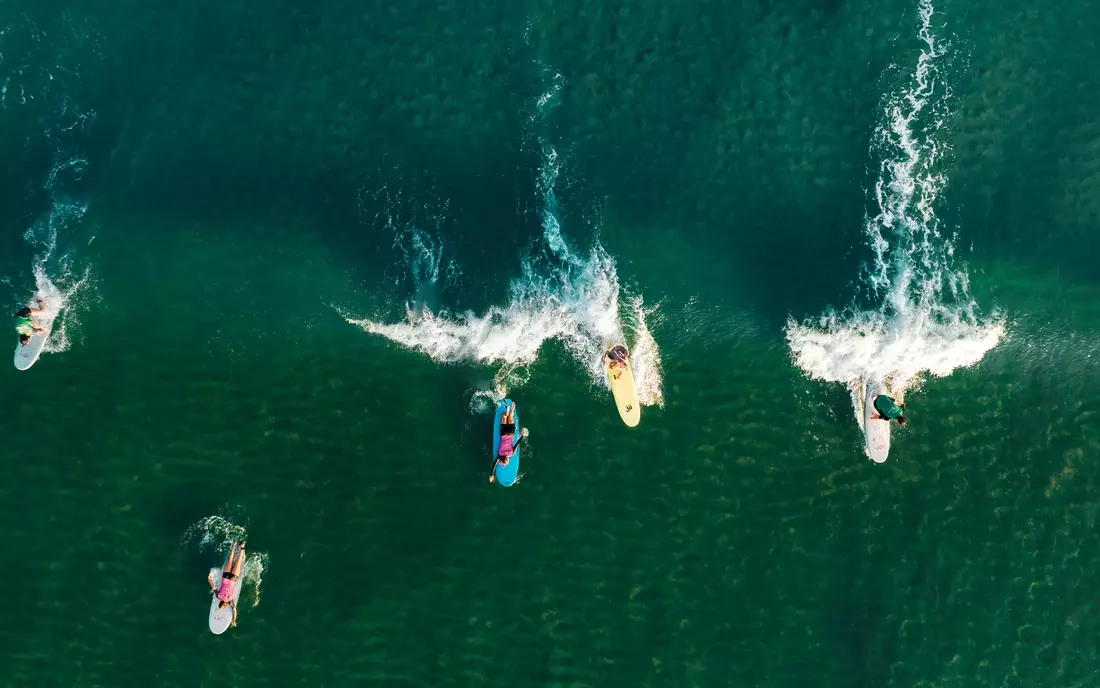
(298, 251)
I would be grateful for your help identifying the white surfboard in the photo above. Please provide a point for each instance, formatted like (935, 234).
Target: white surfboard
(221, 619)
(877, 430)
(27, 354)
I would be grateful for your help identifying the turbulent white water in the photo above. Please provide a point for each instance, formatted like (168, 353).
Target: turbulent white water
(561, 294)
(926, 321)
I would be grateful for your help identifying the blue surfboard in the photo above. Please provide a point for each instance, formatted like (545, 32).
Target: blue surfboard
(506, 475)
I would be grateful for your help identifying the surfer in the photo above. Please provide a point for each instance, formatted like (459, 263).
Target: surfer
(231, 578)
(616, 357)
(889, 410)
(24, 321)
(509, 445)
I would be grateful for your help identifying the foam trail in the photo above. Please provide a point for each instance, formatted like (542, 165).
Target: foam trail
(927, 322)
(215, 534)
(561, 294)
(58, 282)
(645, 356)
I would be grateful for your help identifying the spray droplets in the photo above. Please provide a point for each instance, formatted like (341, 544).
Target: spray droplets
(927, 321)
(561, 294)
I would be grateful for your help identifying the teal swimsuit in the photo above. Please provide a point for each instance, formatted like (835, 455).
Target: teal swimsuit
(888, 408)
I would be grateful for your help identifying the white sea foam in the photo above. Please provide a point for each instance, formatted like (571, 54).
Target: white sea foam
(925, 320)
(561, 294)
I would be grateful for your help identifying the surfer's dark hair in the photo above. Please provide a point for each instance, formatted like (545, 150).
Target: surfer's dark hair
(24, 338)
(902, 420)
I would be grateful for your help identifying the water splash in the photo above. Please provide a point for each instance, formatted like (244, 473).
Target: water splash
(37, 63)
(645, 357)
(215, 535)
(561, 294)
(416, 225)
(64, 288)
(927, 322)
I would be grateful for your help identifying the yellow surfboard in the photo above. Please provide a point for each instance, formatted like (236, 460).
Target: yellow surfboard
(625, 393)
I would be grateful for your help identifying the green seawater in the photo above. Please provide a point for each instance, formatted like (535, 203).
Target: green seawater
(252, 175)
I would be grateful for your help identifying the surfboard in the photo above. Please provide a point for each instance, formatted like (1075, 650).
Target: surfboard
(876, 431)
(221, 619)
(625, 393)
(506, 475)
(27, 354)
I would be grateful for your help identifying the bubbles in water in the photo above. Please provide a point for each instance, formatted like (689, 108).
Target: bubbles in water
(417, 229)
(252, 577)
(927, 321)
(484, 401)
(217, 532)
(645, 358)
(39, 62)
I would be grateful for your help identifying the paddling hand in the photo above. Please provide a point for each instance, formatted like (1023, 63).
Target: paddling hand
(493, 477)
(525, 432)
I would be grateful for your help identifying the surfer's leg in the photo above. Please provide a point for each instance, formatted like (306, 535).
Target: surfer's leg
(234, 558)
(240, 559)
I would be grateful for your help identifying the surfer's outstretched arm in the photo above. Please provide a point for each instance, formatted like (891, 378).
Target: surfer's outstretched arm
(234, 608)
(210, 580)
(515, 445)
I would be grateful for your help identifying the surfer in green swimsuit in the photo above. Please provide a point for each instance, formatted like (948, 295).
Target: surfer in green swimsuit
(24, 321)
(889, 410)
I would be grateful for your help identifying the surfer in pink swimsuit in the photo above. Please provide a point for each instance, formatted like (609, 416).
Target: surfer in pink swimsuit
(231, 579)
(509, 445)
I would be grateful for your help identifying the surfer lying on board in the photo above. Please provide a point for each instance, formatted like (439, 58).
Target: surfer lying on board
(509, 445)
(24, 321)
(616, 357)
(889, 410)
(231, 578)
